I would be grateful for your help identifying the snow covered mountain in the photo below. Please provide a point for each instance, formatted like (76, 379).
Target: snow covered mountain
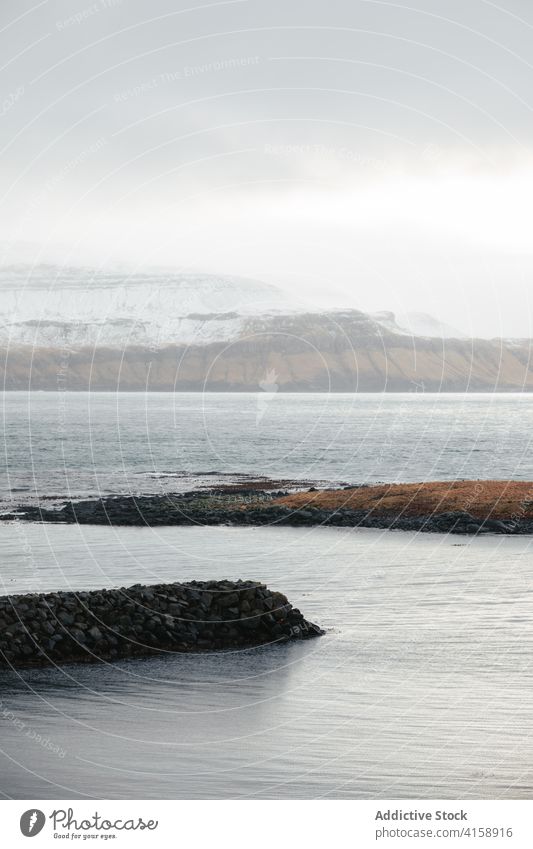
(50, 306)
(417, 324)
(196, 332)
(423, 324)
(83, 308)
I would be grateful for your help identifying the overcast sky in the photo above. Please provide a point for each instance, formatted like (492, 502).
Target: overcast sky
(361, 153)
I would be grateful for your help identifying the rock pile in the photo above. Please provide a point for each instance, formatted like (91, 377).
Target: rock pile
(64, 627)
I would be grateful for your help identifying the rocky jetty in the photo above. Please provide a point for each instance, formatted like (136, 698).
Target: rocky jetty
(83, 627)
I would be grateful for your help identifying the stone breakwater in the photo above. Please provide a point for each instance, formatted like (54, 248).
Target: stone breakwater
(74, 627)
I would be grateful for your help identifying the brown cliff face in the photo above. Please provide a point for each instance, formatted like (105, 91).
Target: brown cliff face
(315, 353)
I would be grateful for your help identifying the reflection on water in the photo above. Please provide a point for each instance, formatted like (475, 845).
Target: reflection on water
(421, 688)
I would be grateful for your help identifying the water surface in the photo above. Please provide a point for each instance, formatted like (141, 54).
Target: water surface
(84, 444)
(422, 687)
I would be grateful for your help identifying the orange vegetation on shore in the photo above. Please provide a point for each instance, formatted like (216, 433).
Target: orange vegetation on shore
(482, 499)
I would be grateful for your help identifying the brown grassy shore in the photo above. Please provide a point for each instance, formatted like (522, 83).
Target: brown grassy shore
(502, 500)
(460, 507)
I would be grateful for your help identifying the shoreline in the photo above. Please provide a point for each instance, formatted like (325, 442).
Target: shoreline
(459, 507)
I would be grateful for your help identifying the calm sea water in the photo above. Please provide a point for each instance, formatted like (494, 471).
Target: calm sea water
(81, 444)
(422, 686)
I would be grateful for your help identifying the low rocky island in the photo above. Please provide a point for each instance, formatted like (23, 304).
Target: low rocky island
(84, 627)
(459, 507)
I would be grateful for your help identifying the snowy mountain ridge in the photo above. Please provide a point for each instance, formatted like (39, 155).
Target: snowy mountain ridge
(47, 306)
(80, 307)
